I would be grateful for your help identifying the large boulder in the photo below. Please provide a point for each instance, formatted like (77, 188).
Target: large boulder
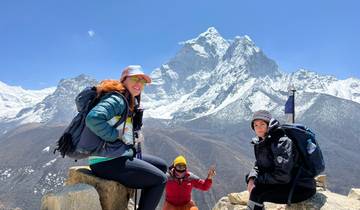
(113, 195)
(323, 200)
(354, 193)
(84, 191)
(75, 197)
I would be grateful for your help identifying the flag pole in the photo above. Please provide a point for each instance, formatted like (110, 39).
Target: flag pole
(290, 104)
(293, 90)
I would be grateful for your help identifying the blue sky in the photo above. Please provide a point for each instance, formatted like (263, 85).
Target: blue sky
(43, 41)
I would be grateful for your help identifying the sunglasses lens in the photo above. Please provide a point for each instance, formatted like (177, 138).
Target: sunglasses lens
(180, 168)
(180, 171)
(137, 79)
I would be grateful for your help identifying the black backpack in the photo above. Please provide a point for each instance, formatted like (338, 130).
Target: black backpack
(311, 158)
(68, 143)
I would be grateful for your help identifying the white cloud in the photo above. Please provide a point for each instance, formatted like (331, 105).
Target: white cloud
(91, 33)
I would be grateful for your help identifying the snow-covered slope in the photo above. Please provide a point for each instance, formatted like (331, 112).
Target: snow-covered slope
(13, 99)
(310, 81)
(57, 107)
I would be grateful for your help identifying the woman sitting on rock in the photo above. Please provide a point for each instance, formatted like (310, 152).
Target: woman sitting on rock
(147, 173)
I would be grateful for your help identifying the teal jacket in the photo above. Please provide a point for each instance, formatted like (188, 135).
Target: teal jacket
(98, 121)
(98, 117)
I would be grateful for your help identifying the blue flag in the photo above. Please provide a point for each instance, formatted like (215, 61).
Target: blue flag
(289, 105)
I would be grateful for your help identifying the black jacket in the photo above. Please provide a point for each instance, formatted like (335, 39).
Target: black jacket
(277, 160)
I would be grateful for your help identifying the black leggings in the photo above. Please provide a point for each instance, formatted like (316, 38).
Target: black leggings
(147, 174)
(277, 193)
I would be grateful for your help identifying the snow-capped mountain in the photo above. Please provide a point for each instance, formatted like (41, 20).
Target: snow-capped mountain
(208, 75)
(190, 66)
(56, 108)
(14, 99)
(347, 89)
(202, 80)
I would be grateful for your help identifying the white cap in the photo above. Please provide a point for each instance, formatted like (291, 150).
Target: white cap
(134, 70)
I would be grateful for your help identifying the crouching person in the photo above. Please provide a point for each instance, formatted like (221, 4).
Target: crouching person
(275, 169)
(180, 184)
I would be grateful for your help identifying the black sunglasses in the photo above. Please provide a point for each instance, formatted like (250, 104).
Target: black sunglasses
(180, 171)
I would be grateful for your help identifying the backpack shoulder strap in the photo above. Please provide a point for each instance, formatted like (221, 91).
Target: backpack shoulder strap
(125, 114)
(293, 186)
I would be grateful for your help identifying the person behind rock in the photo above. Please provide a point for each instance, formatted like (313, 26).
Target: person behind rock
(275, 167)
(147, 173)
(180, 184)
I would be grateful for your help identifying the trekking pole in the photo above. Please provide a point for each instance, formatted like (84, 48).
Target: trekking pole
(138, 156)
(135, 199)
(138, 151)
(137, 119)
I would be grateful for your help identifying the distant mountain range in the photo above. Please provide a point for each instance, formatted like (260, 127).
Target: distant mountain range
(199, 104)
(14, 99)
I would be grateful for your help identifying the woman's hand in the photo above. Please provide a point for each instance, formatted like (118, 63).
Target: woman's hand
(211, 172)
(250, 185)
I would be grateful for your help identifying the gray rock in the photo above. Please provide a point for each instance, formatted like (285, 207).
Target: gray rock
(224, 204)
(239, 198)
(321, 182)
(354, 193)
(322, 200)
(113, 195)
(75, 197)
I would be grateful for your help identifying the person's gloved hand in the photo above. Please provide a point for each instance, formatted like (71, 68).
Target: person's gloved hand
(139, 137)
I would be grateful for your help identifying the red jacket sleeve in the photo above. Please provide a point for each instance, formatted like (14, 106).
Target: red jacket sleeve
(202, 184)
